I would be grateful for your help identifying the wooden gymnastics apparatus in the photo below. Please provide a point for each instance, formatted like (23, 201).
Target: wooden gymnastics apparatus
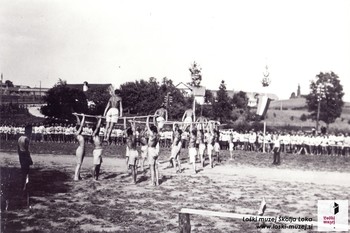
(139, 121)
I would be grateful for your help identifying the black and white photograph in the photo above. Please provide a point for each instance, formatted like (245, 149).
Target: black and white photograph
(174, 116)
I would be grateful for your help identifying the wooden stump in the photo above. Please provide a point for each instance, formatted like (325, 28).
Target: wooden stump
(184, 223)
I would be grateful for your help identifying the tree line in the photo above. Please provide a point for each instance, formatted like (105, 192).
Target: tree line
(144, 97)
(141, 97)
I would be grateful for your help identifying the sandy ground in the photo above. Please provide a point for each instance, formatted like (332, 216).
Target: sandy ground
(114, 204)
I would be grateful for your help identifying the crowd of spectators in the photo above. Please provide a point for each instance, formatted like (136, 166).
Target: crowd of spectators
(290, 142)
(64, 133)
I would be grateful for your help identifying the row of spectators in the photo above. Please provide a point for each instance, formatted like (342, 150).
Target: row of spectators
(290, 142)
(64, 133)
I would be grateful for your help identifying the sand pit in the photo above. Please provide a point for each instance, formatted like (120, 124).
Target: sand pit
(114, 204)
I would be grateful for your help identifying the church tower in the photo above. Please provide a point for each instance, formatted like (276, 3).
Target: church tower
(298, 92)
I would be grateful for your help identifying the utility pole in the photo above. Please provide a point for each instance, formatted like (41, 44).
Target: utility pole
(321, 91)
(265, 82)
(40, 93)
(168, 99)
(1, 90)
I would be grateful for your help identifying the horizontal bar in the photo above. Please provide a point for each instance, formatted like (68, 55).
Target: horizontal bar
(94, 116)
(185, 123)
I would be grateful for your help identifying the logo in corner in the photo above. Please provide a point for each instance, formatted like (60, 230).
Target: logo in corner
(332, 215)
(335, 208)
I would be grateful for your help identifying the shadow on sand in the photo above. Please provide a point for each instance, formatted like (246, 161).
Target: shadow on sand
(42, 183)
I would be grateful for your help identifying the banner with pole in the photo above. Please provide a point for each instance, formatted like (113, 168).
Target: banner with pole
(263, 105)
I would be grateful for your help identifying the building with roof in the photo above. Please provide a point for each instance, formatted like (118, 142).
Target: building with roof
(21, 94)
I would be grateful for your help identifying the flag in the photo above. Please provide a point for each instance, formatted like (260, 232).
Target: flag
(262, 208)
(263, 105)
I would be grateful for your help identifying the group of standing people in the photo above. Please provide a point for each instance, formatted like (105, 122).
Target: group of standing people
(204, 136)
(112, 112)
(149, 141)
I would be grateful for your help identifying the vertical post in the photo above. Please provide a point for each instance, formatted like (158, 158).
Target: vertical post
(40, 93)
(194, 109)
(167, 100)
(168, 104)
(264, 135)
(184, 223)
(266, 82)
(281, 108)
(1, 90)
(318, 114)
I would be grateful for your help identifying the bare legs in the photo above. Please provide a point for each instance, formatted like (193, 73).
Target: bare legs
(80, 157)
(210, 159)
(194, 166)
(202, 159)
(108, 132)
(154, 174)
(96, 171)
(77, 172)
(218, 157)
(133, 172)
(142, 163)
(177, 164)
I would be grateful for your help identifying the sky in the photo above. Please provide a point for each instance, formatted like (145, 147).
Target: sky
(119, 41)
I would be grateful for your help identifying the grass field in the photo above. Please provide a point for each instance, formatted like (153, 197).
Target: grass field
(113, 204)
(293, 109)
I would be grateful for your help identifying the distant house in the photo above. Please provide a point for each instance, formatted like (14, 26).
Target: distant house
(188, 91)
(22, 94)
(185, 89)
(33, 91)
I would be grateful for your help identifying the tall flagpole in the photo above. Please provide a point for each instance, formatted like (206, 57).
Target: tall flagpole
(265, 82)
(1, 90)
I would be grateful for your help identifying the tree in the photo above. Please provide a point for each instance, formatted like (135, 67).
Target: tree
(240, 100)
(208, 97)
(99, 97)
(61, 82)
(145, 97)
(196, 75)
(141, 97)
(326, 96)
(62, 101)
(206, 109)
(9, 83)
(222, 106)
(178, 105)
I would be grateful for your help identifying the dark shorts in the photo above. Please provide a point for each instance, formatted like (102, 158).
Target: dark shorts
(24, 159)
